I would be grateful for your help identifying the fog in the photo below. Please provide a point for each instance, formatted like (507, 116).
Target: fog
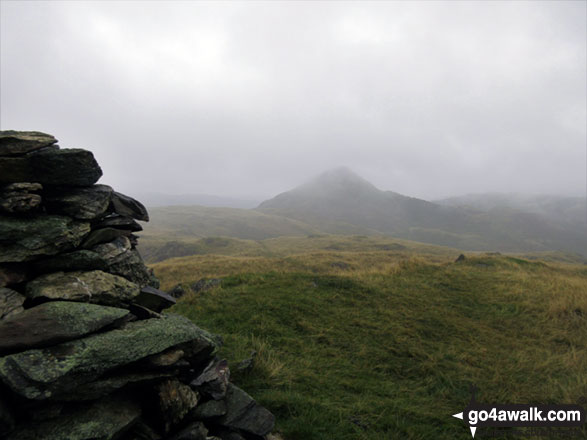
(248, 99)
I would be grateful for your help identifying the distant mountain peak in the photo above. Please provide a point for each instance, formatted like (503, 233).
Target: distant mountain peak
(340, 177)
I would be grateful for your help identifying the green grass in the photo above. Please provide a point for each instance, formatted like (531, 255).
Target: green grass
(387, 346)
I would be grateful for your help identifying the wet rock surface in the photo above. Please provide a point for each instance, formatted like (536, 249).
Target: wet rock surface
(86, 349)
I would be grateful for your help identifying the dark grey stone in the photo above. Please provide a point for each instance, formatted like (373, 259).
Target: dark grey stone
(71, 261)
(119, 221)
(127, 206)
(96, 287)
(103, 236)
(42, 373)
(10, 303)
(81, 203)
(25, 239)
(54, 322)
(15, 143)
(154, 299)
(213, 381)
(243, 413)
(18, 198)
(210, 409)
(101, 420)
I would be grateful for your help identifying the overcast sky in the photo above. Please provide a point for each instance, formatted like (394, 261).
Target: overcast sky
(429, 99)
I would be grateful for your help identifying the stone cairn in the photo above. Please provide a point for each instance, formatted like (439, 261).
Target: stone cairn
(84, 350)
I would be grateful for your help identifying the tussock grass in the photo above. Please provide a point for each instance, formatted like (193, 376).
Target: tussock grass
(385, 345)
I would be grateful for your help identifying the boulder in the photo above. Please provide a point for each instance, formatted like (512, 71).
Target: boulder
(119, 221)
(71, 261)
(81, 203)
(175, 401)
(10, 303)
(54, 322)
(127, 206)
(15, 143)
(25, 239)
(243, 413)
(96, 287)
(154, 299)
(42, 373)
(100, 420)
(18, 198)
(205, 284)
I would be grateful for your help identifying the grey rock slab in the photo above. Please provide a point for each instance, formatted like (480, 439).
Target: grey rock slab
(10, 304)
(87, 203)
(14, 143)
(214, 380)
(96, 287)
(70, 167)
(25, 239)
(42, 373)
(154, 299)
(101, 420)
(194, 431)
(242, 412)
(103, 235)
(18, 198)
(210, 409)
(71, 261)
(127, 206)
(119, 221)
(124, 261)
(54, 322)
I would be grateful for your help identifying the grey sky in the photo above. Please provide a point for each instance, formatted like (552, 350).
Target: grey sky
(428, 99)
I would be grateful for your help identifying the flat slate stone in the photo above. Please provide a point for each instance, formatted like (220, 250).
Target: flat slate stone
(103, 235)
(120, 222)
(71, 167)
(42, 373)
(127, 206)
(96, 287)
(15, 143)
(154, 299)
(54, 322)
(210, 409)
(242, 412)
(71, 261)
(125, 261)
(10, 304)
(101, 420)
(25, 239)
(214, 380)
(81, 203)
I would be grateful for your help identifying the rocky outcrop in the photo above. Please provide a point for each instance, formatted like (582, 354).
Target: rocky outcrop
(86, 351)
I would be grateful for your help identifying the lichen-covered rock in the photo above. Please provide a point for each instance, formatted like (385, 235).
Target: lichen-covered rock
(175, 401)
(81, 203)
(10, 303)
(101, 420)
(243, 413)
(55, 322)
(18, 198)
(96, 287)
(15, 143)
(124, 261)
(127, 206)
(72, 261)
(42, 373)
(25, 239)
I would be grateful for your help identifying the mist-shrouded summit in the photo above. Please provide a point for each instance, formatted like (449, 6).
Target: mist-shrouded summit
(339, 199)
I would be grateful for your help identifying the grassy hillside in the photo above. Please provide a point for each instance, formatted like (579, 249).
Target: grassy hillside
(360, 342)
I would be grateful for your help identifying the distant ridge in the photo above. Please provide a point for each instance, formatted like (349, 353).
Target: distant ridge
(341, 197)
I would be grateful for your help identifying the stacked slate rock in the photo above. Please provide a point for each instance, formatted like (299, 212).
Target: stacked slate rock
(84, 351)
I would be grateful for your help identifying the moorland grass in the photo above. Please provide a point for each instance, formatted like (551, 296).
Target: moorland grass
(386, 345)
